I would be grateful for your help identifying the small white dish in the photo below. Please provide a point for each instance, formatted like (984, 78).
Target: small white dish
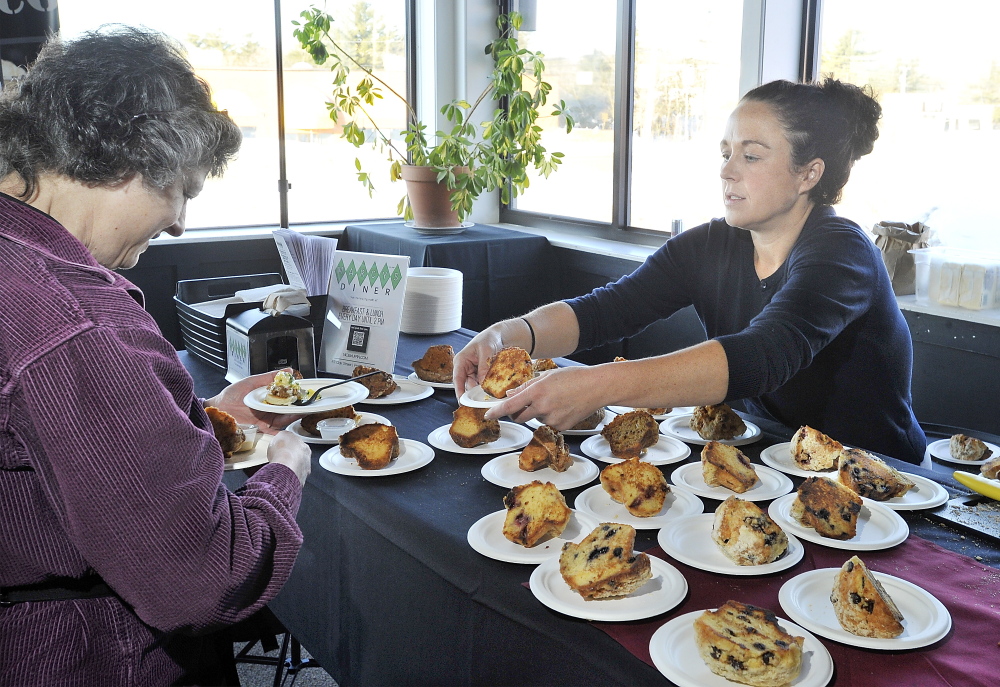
(337, 397)
(412, 456)
(504, 471)
(251, 435)
(658, 595)
(675, 654)
(689, 540)
(366, 419)
(408, 392)
(678, 427)
(486, 537)
(878, 527)
(770, 484)
(680, 410)
(332, 428)
(678, 504)
(941, 450)
(250, 459)
(512, 436)
(664, 452)
(779, 457)
(412, 377)
(477, 398)
(806, 599)
(535, 423)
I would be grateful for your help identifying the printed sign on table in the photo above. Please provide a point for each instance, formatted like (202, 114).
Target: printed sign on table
(364, 308)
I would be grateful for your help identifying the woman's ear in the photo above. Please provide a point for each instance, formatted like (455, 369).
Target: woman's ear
(812, 172)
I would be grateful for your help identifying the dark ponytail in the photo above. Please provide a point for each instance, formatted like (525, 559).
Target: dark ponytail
(834, 121)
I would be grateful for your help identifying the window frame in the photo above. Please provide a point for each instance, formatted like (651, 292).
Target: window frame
(769, 51)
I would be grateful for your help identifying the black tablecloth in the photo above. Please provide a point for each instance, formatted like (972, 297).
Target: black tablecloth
(506, 273)
(387, 590)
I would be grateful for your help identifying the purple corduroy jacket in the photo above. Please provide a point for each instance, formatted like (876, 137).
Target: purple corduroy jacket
(108, 464)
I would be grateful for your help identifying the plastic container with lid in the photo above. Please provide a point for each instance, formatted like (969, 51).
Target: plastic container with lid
(958, 278)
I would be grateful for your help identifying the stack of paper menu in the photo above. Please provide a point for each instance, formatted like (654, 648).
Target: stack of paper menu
(308, 260)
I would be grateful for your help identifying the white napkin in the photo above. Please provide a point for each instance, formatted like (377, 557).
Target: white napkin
(288, 301)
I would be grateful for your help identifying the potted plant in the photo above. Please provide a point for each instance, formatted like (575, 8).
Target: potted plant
(466, 160)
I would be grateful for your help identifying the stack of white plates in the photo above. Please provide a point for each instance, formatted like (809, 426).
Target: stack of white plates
(433, 301)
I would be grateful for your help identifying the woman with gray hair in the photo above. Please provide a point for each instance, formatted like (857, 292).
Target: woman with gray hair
(119, 545)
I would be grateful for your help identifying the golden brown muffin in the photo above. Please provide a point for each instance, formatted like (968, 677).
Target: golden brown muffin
(862, 605)
(638, 486)
(227, 430)
(543, 364)
(813, 450)
(726, 466)
(468, 428)
(309, 422)
(603, 565)
(870, 477)
(746, 534)
(744, 643)
(374, 446)
(535, 512)
(379, 385)
(631, 434)
(547, 448)
(968, 448)
(509, 369)
(437, 365)
(828, 507)
(990, 468)
(717, 422)
(591, 421)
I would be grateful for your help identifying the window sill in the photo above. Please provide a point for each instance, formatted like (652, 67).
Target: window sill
(242, 233)
(990, 317)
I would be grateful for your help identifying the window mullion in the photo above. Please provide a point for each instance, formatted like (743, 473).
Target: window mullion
(624, 79)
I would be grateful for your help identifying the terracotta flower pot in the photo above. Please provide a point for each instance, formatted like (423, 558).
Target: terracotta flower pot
(429, 199)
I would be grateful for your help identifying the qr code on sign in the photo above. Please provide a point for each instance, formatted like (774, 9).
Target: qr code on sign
(357, 338)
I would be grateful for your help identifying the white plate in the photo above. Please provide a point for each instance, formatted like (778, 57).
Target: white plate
(878, 527)
(924, 493)
(941, 449)
(412, 455)
(250, 459)
(477, 398)
(806, 599)
(337, 397)
(675, 654)
(677, 426)
(512, 437)
(504, 471)
(406, 393)
(535, 423)
(779, 457)
(366, 419)
(663, 452)
(664, 591)
(678, 504)
(486, 537)
(770, 484)
(680, 410)
(689, 540)
(437, 385)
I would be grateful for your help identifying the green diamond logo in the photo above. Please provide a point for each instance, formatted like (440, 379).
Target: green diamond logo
(351, 271)
(340, 270)
(373, 274)
(383, 276)
(362, 273)
(397, 276)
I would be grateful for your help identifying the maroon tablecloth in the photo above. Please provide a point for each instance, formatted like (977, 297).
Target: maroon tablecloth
(967, 656)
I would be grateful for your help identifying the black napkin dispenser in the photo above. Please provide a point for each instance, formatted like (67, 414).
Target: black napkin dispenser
(259, 342)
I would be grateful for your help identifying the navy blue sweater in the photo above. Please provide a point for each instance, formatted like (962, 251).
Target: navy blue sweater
(821, 342)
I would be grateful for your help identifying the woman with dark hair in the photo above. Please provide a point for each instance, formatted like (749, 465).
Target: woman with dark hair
(802, 323)
(119, 545)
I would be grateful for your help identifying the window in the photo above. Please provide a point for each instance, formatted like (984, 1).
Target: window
(234, 50)
(681, 83)
(937, 76)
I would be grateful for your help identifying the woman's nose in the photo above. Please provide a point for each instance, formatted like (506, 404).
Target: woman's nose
(177, 228)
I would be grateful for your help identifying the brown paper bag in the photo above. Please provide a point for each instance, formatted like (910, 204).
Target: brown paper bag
(895, 240)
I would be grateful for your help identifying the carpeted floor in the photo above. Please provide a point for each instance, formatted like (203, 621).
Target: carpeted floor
(252, 675)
